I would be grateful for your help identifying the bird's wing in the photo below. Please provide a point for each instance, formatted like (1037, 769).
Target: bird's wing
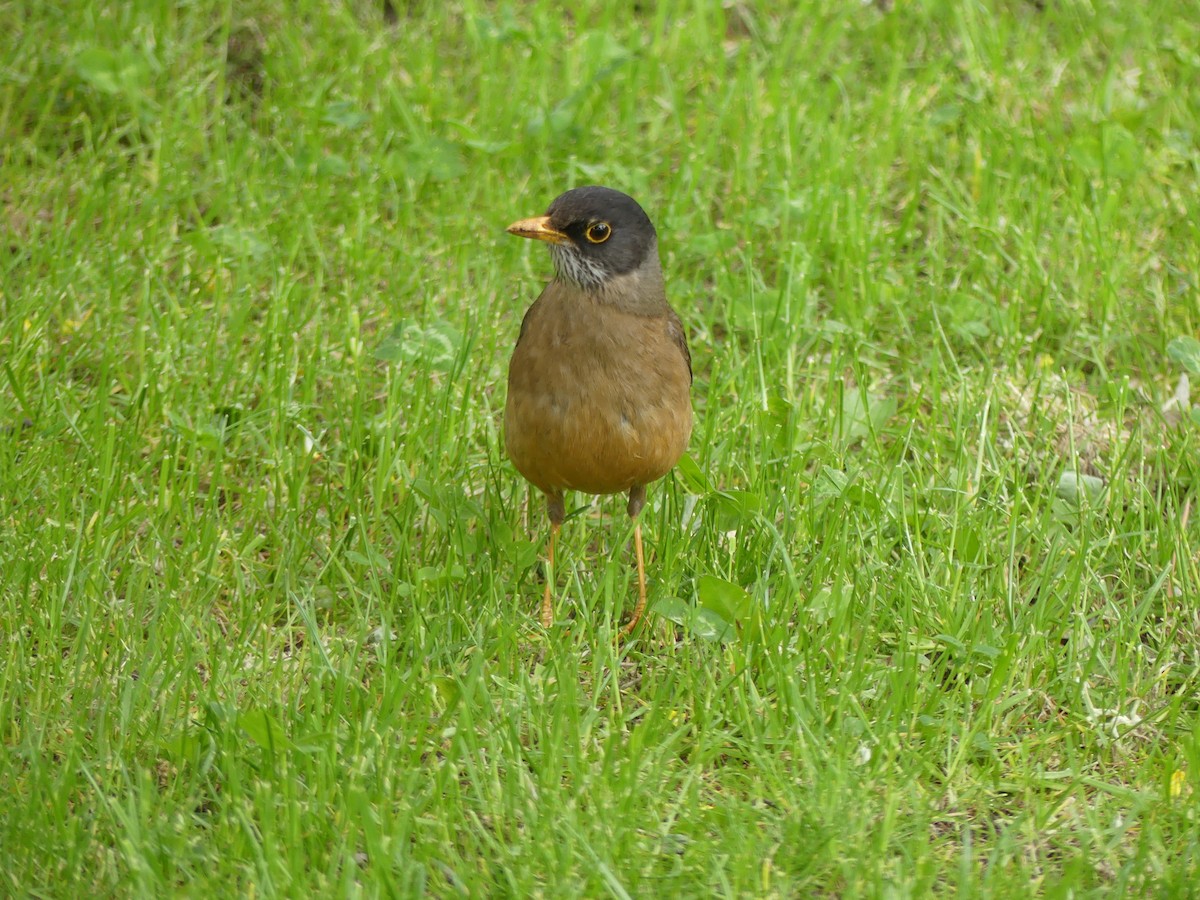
(679, 336)
(529, 313)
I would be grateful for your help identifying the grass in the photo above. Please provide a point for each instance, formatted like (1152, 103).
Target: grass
(924, 592)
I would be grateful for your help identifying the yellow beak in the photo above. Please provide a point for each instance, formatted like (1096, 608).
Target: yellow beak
(539, 229)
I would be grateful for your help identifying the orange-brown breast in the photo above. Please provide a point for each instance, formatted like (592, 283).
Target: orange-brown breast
(598, 397)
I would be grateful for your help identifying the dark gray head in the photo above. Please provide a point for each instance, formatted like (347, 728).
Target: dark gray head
(595, 234)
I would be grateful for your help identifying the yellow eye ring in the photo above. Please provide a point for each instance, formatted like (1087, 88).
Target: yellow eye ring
(598, 232)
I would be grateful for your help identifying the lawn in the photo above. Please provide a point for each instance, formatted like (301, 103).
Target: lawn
(923, 598)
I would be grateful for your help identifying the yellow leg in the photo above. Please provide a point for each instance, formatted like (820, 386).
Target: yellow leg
(547, 607)
(641, 564)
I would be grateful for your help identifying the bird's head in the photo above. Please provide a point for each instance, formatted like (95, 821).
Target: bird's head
(595, 235)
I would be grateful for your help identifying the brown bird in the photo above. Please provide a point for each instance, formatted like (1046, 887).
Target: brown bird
(599, 383)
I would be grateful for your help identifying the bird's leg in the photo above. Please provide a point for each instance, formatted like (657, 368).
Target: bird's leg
(556, 510)
(641, 604)
(637, 499)
(547, 607)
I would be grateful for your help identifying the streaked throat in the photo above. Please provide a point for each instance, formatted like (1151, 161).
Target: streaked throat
(575, 267)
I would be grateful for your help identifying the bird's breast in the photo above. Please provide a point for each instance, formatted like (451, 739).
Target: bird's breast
(598, 398)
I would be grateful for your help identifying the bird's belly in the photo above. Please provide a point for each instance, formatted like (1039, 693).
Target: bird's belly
(570, 436)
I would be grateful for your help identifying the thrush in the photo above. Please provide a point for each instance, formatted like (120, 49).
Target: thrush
(600, 380)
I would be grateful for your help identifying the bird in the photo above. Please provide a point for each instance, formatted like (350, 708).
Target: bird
(599, 384)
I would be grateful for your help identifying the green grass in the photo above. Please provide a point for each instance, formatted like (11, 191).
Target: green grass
(925, 613)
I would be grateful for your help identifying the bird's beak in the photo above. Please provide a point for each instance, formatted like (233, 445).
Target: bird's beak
(539, 229)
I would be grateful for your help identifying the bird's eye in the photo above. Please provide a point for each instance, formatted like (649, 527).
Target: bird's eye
(598, 232)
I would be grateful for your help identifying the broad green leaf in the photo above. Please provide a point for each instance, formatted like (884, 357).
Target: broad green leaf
(1186, 351)
(343, 115)
(264, 729)
(730, 601)
(333, 165)
(426, 158)
(706, 624)
(734, 508)
(694, 479)
(436, 346)
(863, 414)
(238, 241)
(710, 625)
(123, 72)
(1072, 488)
